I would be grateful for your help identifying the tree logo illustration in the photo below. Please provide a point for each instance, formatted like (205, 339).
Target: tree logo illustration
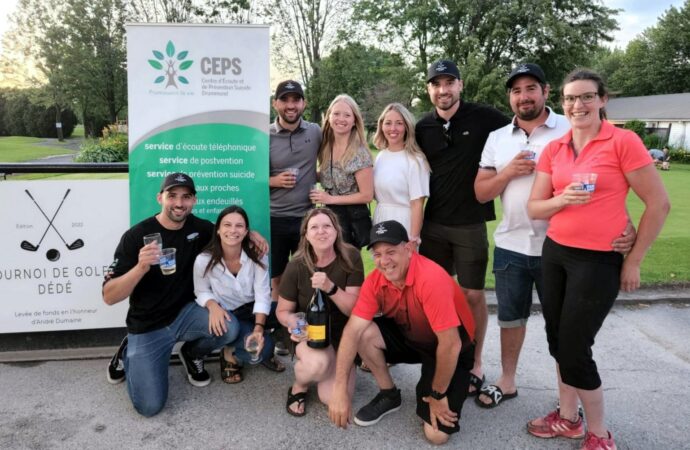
(169, 65)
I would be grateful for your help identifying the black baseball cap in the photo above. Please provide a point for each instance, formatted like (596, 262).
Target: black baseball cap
(530, 69)
(178, 179)
(442, 67)
(289, 87)
(389, 231)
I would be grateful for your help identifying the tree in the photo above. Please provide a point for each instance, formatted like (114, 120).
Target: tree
(307, 29)
(383, 79)
(487, 37)
(657, 61)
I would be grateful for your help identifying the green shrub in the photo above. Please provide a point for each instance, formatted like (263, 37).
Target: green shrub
(679, 155)
(654, 141)
(639, 127)
(112, 147)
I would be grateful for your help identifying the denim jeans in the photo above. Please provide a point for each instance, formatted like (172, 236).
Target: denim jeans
(246, 327)
(515, 274)
(147, 355)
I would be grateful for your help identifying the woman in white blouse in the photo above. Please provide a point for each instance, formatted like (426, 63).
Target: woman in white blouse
(232, 282)
(401, 171)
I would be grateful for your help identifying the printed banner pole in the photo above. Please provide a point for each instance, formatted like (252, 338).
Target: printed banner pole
(199, 104)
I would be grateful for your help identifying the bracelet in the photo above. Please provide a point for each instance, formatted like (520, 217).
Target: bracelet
(333, 290)
(260, 324)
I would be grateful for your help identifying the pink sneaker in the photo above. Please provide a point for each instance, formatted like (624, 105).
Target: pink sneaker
(594, 442)
(553, 425)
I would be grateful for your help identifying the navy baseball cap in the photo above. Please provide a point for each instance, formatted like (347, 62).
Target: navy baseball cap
(289, 87)
(442, 67)
(530, 69)
(178, 179)
(389, 231)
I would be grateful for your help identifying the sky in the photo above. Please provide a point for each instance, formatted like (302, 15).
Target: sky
(637, 15)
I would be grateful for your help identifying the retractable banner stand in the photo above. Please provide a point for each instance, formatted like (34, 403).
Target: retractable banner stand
(199, 104)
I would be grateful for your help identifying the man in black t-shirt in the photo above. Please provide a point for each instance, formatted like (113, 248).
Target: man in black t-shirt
(162, 310)
(452, 137)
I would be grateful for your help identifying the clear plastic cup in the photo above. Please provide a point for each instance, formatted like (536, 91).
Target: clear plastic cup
(588, 180)
(167, 261)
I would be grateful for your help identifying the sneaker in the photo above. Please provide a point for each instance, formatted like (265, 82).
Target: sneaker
(553, 425)
(116, 366)
(281, 349)
(594, 442)
(196, 374)
(384, 403)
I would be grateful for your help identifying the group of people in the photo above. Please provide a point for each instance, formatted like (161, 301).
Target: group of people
(562, 181)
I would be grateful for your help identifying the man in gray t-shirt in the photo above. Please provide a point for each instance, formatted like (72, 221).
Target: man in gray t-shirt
(294, 144)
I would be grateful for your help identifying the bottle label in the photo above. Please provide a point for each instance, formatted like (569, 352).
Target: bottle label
(316, 332)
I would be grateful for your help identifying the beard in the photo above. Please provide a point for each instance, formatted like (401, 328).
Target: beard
(284, 119)
(529, 114)
(177, 218)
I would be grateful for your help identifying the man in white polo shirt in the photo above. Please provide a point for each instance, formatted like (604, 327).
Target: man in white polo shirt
(507, 169)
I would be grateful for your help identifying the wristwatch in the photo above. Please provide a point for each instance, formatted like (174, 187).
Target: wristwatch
(333, 290)
(436, 395)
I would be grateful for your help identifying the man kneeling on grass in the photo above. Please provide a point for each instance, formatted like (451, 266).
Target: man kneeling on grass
(424, 319)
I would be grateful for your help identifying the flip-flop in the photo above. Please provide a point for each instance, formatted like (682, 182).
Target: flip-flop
(300, 398)
(495, 394)
(477, 383)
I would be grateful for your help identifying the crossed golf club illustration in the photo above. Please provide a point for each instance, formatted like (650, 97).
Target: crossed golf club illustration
(26, 245)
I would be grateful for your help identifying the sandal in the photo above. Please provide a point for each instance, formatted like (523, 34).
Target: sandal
(273, 364)
(495, 394)
(300, 398)
(230, 373)
(477, 383)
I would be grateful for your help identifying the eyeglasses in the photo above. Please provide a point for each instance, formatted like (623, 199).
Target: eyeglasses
(587, 97)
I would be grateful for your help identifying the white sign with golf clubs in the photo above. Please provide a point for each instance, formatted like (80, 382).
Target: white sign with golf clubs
(58, 238)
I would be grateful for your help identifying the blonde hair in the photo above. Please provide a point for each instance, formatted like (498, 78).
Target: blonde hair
(305, 252)
(357, 138)
(410, 144)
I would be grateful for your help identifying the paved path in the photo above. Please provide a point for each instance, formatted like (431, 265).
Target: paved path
(643, 353)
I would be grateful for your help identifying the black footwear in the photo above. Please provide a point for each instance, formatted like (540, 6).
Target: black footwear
(196, 374)
(384, 403)
(116, 366)
(281, 349)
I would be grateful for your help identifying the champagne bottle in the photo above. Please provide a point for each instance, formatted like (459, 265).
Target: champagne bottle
(318, 325)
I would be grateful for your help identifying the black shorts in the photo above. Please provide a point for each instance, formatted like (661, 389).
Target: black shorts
(284, 241)
(462, 250)
(399, 351)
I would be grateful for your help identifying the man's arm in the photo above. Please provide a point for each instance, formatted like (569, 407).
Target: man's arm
(117, 289)
(447, 353)
(489, 183)
(340, 405)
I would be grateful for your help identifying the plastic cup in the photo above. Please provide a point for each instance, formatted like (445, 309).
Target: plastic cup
(155, 237)
(167, 261)
(300, 325)
(588, 180)
(251, 346)
(293, 171)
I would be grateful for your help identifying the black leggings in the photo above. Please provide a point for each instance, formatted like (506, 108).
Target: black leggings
(580, 287)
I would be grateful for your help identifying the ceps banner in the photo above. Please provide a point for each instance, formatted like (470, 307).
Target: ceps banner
(199, 104)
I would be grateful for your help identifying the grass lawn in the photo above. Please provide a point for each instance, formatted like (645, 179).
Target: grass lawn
(667, 262)
(19, 149)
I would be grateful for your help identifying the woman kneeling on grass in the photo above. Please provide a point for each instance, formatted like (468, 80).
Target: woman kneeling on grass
(581, 186)
(323, 261)
(232, 282)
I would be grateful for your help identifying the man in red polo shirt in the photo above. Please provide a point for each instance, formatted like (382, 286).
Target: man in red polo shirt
(409, 311)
